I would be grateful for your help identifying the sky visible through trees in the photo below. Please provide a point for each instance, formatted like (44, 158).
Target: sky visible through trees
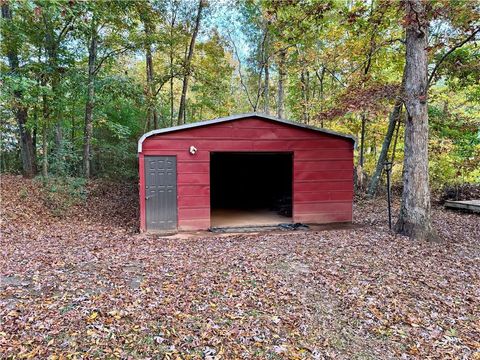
(82, 80)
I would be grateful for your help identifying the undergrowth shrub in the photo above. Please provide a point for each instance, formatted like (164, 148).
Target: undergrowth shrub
(60, 194)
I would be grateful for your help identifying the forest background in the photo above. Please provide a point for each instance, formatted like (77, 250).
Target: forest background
(82, 81)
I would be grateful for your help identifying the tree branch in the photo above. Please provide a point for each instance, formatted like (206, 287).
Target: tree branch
(65, 29)
(455, 47)
(240, 73)
(110, 54)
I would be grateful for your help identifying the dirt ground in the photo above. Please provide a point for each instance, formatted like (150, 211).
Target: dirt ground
(83, 283)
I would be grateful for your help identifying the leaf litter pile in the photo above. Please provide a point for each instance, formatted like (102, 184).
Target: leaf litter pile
(88, 285)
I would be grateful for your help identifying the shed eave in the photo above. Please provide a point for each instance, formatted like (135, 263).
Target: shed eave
(237, 117)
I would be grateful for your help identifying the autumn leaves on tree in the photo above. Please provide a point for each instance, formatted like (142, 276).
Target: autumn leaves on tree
(83, 80)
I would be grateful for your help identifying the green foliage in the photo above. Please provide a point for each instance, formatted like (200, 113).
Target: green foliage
(60, 194)
(335, 55)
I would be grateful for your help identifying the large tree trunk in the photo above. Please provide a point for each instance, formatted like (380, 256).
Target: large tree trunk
(414, 219)
(188, 61)
(281, 81)
(89, 106)
(29, 165)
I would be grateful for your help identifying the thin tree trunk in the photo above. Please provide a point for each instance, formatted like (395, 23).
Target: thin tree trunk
(152, 109)
(188, 61)
(51, 51)
(399, 123)
(266, 90)
(304, 83)
(392, 121)
(89, 106)
(172, 25)
(322, 94)
(307, 94)
(281, 90)
(360, 173)
(414, 219)
(394, 115)
(29, 165)
(44, 150)
(44, 133)
(362, 139)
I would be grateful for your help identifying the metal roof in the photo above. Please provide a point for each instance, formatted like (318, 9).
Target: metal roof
(237, 117)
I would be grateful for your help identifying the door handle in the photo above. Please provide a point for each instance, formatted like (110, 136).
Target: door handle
(148, 197)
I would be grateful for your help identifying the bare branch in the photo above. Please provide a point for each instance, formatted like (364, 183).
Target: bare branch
(333, 75)
(110, 54)
(455, 47)
(65, 29)
(235, 50)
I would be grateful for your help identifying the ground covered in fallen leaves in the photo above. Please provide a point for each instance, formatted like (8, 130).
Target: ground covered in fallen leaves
(85, 284)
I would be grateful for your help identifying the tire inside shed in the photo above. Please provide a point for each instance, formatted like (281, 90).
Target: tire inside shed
(250, 188)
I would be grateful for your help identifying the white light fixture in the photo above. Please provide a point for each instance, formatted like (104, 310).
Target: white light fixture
(193, 150)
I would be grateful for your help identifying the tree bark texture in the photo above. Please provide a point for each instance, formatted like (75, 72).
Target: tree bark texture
(51, 47)
(29, 165)
(394, 118)
(322, 94)
(305, 83)
(281, 85)
(45, 111)
(171, 54)
(266, 89)
(188, 62)
(414, 219)
(392, 121)
(89, 106)
(152, 114)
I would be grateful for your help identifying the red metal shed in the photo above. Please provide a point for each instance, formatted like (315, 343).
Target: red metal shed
(248, 169)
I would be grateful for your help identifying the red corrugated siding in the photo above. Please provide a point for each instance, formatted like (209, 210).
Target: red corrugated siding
(323, 167)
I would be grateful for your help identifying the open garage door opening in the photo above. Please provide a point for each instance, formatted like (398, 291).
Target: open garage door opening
(250, 188)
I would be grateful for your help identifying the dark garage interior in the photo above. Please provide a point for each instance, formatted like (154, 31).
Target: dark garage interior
(250, 188)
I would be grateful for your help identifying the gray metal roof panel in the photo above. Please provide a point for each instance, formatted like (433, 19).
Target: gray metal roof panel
(237, 117)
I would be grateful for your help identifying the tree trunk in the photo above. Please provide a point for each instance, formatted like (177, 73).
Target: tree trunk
(399, 123)
(393, 119)
(362, 139)
(172, 25)
(51, 48)
(152, 109)
(414, 219)
(281, 81)
(266, 89)
(44, 150)
(188, 61)
(46, 115)
(88, 130)
(29, 165)
(304, 79)
(360, 173)
(322, 94)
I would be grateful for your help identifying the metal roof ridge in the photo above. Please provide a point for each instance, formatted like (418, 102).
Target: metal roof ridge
(236, 117)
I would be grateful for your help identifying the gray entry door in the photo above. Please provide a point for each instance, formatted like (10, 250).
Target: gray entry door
(161, 192)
